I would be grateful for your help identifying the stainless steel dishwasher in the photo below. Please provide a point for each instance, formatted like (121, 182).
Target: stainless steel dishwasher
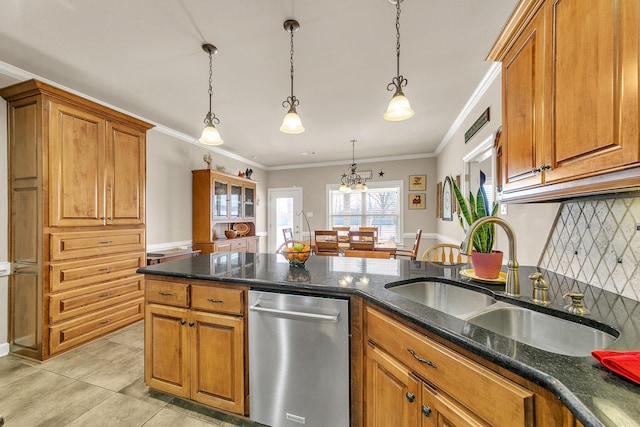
(298, 360)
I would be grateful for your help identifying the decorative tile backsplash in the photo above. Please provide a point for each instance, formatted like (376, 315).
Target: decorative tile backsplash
(596, 242)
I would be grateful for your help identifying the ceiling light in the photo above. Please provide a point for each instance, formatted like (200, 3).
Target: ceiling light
(353, 180)
(210, 135)
(291, 123)
(399, 108)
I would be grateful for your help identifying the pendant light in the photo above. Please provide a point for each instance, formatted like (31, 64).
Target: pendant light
(291, 123)
(210, 135)
(399, 108)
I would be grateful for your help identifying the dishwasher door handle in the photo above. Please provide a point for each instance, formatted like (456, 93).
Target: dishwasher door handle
(302, 314)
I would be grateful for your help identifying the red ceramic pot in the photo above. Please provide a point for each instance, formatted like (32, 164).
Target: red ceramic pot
(487, 266)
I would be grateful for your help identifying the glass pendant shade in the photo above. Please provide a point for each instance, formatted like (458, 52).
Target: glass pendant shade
(292, 123)
(210, 135)
(344, 188)
(361, 187)
(399, 108)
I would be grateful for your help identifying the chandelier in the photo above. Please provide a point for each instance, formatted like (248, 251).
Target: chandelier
(353, 180)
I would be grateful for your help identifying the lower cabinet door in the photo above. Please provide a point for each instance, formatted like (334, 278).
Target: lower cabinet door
(166, 349)
(439, 410)
(217, 361)
(392, 392)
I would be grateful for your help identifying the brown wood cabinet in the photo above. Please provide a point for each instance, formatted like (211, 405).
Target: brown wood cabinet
(570, 99)
(411, 377)
(219, 201)
(77, 220)
(195, 342)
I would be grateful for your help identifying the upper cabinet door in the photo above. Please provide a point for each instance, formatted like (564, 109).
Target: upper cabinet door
(523, 121)
(594, 88)
(76, 167)
(235, 201)
(126, 169)
(219, 199)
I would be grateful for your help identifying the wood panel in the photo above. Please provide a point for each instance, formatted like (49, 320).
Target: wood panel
(167, 293)
(217, 361)
(90, 243)
(126, 165)
(76, 167)
(218, 300)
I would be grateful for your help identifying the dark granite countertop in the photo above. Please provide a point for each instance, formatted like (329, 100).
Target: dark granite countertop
(594, 395)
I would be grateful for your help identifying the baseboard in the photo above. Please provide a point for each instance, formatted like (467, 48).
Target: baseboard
(4, 349)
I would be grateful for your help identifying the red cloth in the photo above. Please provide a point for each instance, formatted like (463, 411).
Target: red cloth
(625, 363)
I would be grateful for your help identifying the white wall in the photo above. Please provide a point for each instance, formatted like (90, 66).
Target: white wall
(531, 222)
(169, 165)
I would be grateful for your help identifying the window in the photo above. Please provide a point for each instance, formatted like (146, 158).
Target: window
(380, 206)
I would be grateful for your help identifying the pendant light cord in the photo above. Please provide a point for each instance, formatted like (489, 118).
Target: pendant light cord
(291, 59)
(398, 37)
(210, 80)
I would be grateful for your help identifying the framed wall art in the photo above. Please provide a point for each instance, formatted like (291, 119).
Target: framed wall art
(417, 182)
(439, 200)
(447, 200)
(417, 201)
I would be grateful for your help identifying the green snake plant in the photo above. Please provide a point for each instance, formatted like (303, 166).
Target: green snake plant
(473, 209)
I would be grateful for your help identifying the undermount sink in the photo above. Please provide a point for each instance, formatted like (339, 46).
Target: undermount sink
(536, 329)
(444, 297)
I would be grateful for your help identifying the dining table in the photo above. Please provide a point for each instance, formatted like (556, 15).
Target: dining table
(380, 245)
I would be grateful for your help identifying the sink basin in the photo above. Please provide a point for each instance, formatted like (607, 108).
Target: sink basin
(538, 330)
(450, 299)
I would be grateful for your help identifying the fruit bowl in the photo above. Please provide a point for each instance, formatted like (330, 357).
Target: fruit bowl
(230, 234)
(296, 252)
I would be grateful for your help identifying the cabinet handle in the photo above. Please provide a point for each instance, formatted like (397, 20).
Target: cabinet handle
(165, 294)
(110, 218)
(421, 360)
(192, 323)
(106, 242)
(182, 321)
(215, 300)
(102, 218)
(104, 294)
(410, 397)
(426, 411)
(541, 168)
(105, 269)
(104, 322)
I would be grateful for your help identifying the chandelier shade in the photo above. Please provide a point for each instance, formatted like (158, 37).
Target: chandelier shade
(210, 135)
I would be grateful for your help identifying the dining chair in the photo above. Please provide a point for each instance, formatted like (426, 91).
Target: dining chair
(327, 242)
(343, 233)
(367, 254)
(361, 241)
(374, 229)
(413, 253)
(445, 254)
(288, 234)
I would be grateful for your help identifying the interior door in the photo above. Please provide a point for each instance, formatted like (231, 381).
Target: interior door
(285, 210)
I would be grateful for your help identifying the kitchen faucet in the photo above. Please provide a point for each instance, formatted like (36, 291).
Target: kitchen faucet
(512, 284)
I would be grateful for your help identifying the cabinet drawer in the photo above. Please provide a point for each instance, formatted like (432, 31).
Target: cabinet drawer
(82, 329)
(66, 305)
(167, 293)
(238, 245)
(85, 244)
(220, 300)
(73, 274)
(473, 385)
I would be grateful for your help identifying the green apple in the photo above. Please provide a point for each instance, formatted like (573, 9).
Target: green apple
(298, 247)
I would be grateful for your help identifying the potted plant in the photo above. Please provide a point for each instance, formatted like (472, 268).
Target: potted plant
(486, 262)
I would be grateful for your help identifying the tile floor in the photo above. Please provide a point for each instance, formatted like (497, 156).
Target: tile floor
(98, 384)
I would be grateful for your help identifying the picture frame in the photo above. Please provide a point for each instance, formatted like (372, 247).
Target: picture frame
(417, 201)
(417, 182)
(447, 200)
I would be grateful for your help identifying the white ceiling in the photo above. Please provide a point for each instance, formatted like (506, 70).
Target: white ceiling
(145, 57)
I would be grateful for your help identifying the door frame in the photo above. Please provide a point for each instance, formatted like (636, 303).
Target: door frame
(296, 192)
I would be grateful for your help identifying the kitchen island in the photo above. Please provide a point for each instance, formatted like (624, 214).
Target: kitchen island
(590, 392)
